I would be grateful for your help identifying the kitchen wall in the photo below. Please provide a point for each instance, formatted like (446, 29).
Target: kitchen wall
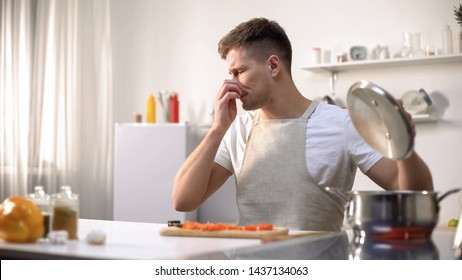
(160, 44)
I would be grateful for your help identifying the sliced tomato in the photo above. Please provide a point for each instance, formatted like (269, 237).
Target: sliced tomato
(221, 226)
(265, 226)
(207, 227)
(232, 227)
(215, 227)
(191, 225)
(250, 227)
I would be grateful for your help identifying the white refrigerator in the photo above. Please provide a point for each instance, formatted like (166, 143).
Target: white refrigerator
(147, 157)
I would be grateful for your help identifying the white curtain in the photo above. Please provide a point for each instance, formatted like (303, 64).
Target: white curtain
(56, 100)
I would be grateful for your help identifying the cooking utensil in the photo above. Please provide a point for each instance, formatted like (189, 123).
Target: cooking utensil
(174, 223)
(329, 98)
(380, 120)
(392, 215)
(371, 249)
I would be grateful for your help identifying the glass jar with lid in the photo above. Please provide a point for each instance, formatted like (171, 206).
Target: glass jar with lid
(65, 212)
(43, 202)
(416, 102)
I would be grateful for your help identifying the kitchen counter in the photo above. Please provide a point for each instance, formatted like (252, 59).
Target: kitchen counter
(130, 240)
(124, 240)
(344, 246)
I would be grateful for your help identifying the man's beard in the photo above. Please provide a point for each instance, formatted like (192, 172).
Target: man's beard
(263, 98)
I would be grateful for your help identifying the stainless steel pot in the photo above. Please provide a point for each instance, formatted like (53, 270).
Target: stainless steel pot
(389, 215)
(371, 249)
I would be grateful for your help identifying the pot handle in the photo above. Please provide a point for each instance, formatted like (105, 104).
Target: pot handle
(444, 195)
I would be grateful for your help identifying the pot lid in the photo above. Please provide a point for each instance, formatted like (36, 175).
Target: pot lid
(380, 120)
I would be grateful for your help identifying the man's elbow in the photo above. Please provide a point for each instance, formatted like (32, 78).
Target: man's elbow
(182, 205)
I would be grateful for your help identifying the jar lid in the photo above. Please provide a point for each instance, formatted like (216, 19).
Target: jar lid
(39, 195)
(65, 193)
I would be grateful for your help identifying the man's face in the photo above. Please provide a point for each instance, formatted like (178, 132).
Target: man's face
(253, 77)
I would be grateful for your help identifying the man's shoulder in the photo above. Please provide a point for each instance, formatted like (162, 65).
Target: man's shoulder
(244, 120)
(240, 127)
(330, 112)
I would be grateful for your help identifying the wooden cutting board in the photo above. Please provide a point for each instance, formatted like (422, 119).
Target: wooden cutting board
(176, 231)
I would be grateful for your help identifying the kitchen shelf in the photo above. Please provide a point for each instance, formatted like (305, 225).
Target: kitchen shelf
(424, 118)
(334, 68)
(392, 62)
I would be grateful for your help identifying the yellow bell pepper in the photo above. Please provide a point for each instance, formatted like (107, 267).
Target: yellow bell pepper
(20, 220)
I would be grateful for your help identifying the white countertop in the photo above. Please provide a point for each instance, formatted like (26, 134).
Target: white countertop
(125, 240)
(141, 241)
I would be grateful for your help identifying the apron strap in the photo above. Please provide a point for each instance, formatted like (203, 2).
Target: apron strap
(311, 108)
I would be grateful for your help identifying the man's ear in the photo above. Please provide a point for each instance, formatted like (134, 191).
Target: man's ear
(274, 65)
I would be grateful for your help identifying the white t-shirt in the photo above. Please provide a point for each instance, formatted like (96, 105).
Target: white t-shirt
(333, 151)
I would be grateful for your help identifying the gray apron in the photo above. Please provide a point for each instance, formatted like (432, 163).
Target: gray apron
(274, 185)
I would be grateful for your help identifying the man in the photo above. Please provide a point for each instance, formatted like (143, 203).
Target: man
(294, 159)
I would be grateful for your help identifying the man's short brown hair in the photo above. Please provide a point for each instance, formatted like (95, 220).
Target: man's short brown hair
(262, 37)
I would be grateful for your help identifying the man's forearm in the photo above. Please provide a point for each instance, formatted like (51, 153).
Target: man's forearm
(414, 174)
(192, 180)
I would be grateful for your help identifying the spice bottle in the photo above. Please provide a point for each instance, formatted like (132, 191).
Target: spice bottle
(174, 108)
(65, 211)
(43, 202)
(151, 109)
(137, 118)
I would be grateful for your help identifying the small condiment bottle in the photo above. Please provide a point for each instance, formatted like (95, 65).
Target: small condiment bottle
(174, 108)
(137, 118)
(43, 202)
(65, 211)
(151, 109)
